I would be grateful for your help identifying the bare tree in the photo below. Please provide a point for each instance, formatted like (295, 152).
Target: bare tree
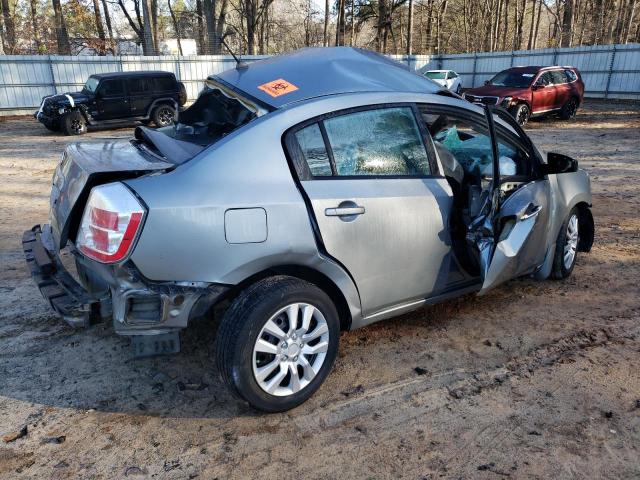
(567, 23)
(9, 27)
(410, 28)
(62, 36)
(147, 28)
(100, 28)
(325, 41)
(176, 27)
(107, 19)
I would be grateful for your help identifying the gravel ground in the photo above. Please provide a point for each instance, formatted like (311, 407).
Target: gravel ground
(534, 380)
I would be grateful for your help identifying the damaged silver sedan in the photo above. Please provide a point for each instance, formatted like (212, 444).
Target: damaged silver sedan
(313, 192)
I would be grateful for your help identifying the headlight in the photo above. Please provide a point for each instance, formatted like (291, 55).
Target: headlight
(506, 101)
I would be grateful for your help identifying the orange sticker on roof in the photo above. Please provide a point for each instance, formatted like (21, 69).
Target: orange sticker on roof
(278, 87)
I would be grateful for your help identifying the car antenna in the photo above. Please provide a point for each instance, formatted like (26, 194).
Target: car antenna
(240, 65)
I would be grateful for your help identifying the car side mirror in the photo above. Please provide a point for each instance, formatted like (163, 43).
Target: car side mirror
(486, 82)
(536, 86)
(559, 163)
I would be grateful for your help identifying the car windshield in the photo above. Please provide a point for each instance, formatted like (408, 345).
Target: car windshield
(91, 85)
(433, 75)
(212, 116)
(512, 79)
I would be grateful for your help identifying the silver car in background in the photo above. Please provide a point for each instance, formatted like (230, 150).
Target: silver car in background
(315, 192)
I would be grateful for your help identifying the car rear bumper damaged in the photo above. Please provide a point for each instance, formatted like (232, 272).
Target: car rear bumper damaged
(137, 306)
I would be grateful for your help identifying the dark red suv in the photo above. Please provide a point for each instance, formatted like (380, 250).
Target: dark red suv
(532, 91)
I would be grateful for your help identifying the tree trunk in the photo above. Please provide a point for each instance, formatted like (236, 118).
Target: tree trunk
(34, 24)
(175, 26)
(9, 28)
(505, 32)
(631, 13)
(62, 37)
(221, 24)
(353, 28)
(380, 32)
(410, 28)
(154, 26)
(200, 42)
(535, 34)
(533, 24)
(99, 28)
(325, 38)
(567, 24)
(251, 14)
(210, 19)
(107, 19)
(148, 46)
(441, 13)
(340, 24)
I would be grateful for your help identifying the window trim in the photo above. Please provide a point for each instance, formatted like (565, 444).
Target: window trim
(123, 86)
(526, 145)
(289, 136)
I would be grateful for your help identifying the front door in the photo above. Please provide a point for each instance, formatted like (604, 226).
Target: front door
(543, 94)
(111, 100)
(380, 206)
(512, 233)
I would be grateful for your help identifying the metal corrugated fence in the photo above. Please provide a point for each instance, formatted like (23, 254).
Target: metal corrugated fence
(610, 71)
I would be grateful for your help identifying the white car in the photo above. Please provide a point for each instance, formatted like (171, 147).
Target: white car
(447, 78)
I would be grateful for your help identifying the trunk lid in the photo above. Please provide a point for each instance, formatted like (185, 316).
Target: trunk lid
(85, 165)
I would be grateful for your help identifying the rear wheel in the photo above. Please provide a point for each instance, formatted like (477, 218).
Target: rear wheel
(459, 89)
(163, 115)
(277, 343)
(73, 123)
(566, 246)
(520, 113)
(569, 109)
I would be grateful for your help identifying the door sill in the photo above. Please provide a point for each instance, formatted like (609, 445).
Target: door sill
(394, 311)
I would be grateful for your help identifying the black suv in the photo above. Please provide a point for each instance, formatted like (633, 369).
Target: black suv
(110, 98)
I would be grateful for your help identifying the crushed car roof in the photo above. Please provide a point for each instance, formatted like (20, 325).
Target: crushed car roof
(316, 72)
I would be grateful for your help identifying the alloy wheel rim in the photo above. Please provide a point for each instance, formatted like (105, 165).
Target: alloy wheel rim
(571, 244)
(290, 349)
(76, 126)
(522, 115)
(165, 116)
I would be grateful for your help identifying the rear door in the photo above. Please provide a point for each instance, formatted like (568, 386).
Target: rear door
(140, 95)
(112, 100)
(380, 205)
(512, 235)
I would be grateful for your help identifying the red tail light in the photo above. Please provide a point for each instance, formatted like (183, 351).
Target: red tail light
(110, 223)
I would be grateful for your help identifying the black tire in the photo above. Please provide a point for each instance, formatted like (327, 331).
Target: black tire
(560, 268)
(459, 89)
(52, 127)
(242, 324)
(73, 123)
(569, 109)
(521, 113)
(163, 115)
(182, 94)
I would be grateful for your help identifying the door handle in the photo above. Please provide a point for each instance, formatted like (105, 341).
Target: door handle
(531, 213)
(343, 211)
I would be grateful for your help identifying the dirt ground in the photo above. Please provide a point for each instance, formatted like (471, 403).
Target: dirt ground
(534, 380)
